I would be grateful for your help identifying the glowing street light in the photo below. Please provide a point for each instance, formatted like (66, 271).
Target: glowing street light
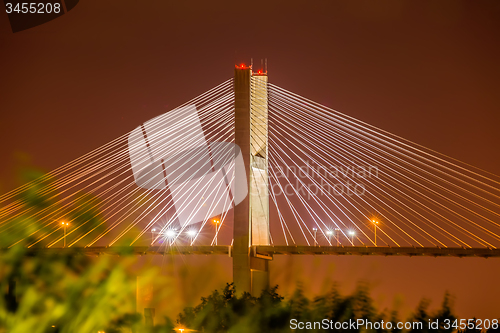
(329, 233)
(64, 225)
(191, 233)
(217, 223)
(170, 235)
(375, 223)
(182, 329)
(352, 233)
(337, 235)
(315, 239)
(153, 231)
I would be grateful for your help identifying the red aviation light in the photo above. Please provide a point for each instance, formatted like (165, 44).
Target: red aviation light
(242, 66)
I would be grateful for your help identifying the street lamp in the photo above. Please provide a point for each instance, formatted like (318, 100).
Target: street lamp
(329, 233)
(217, 222)
(315, 239)
(170, 235)
(191, 233)
(153, 231)
(64, 225)
(337, 235)
(375, 223)
(352, 233)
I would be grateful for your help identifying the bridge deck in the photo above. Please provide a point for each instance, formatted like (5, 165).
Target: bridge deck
(269, 251)
(379, 250)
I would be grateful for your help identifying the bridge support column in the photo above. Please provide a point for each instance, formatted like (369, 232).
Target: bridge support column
(260, 275)
(251, 216)
(241, 229)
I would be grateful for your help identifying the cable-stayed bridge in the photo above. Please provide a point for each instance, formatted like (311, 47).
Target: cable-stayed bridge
(251, 170)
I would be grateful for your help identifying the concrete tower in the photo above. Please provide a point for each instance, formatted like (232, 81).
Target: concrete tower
(251, 217)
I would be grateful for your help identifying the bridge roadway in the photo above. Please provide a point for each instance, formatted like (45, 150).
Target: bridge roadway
(267, 252)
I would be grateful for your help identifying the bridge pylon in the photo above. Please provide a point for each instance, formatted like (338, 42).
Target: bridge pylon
(251, 216)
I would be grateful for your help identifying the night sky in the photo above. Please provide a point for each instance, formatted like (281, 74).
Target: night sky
(428, 71)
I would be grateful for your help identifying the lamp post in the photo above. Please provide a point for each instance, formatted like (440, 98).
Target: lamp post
(375, 223)
(329, 233)
(153, 235)
(352, 233)
(191, 233)
(65, 225)
(337, 235)
(170, 236)
(217, 222)
(315, 239)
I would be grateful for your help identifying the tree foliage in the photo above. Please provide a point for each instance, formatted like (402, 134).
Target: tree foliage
(225, 311)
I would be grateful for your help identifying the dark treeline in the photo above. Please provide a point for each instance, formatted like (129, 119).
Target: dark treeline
(224, 311)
